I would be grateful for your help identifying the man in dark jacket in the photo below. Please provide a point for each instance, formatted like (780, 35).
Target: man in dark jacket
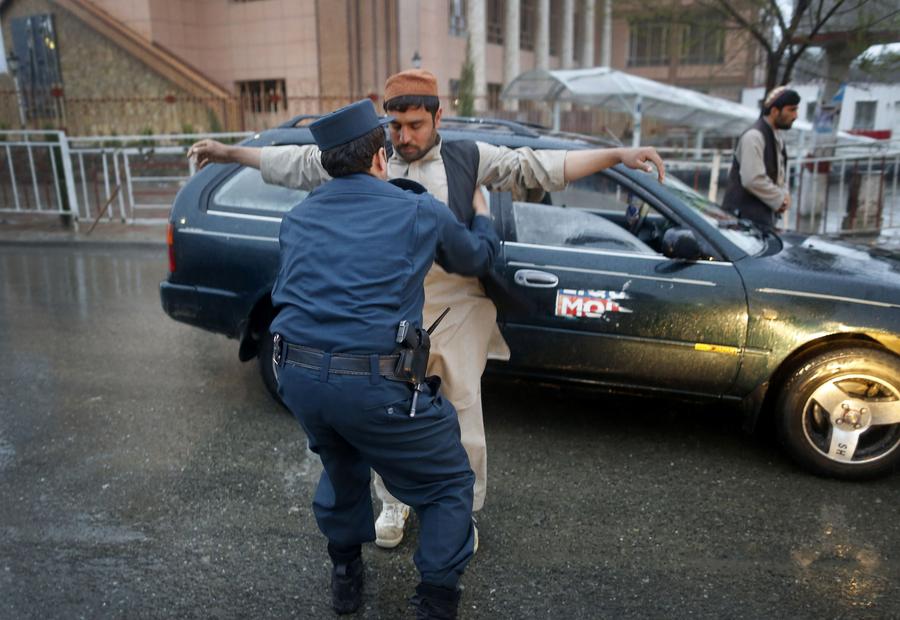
(354, 256)
(757, 183)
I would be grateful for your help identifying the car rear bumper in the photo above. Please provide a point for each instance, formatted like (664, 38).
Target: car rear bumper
(211, 309)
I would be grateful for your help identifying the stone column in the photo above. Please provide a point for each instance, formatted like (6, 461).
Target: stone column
(542, 36)
(587, 49)
(476, 21)
(511, 51)
(567, 47)
(606, 49)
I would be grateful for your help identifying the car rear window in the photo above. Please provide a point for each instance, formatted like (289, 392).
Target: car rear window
(246, 191)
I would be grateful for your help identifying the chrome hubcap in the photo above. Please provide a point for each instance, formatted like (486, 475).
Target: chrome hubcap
(853, 418)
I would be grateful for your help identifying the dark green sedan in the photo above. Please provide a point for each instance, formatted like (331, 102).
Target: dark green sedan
(621, 283)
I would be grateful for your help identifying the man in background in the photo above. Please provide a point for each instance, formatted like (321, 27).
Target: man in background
(757, 183)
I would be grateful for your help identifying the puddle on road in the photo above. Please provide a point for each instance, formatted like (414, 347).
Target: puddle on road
(841, 567)
(7, 453)
(301, 468)
(78, 529)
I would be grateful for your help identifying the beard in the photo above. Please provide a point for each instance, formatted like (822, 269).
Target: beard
(410, 153)
(783, 123)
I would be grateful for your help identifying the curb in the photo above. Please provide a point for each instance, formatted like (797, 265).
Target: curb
(108, 243)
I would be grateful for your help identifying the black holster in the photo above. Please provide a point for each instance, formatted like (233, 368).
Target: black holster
(413, 361)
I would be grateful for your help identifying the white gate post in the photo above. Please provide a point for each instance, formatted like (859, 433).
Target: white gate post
(71, 194)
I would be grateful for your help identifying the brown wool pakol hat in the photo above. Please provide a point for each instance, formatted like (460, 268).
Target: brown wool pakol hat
(411, 82)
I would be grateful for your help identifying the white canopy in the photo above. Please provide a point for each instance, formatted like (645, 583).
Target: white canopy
(638, 96)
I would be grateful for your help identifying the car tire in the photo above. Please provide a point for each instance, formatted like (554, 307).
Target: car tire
(838, 414)
(266, 368)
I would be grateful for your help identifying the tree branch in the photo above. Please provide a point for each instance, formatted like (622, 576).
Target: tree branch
(725, 7)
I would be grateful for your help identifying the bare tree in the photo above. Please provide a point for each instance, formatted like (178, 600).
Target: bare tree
(785, 32)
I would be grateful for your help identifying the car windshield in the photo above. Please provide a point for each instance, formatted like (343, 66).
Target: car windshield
(742, 233)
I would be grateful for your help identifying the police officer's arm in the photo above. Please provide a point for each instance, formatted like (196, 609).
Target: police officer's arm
(294, 166)
(461, 250)
(751, 157)
(505, 169)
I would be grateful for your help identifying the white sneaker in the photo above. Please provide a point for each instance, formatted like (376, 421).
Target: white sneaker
(389, 525)
(475, 547)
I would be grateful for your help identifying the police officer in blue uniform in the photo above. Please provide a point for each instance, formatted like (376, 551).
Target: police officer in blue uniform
(349, 350)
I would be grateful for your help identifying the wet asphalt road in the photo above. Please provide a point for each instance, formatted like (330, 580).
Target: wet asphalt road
(146, 473)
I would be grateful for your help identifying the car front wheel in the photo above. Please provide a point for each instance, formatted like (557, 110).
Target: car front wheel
(839, 413)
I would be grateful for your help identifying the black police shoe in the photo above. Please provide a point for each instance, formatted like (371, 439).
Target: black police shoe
(435, 602)
(347, 586)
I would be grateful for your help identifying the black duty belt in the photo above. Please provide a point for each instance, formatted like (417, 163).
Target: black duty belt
(340, 363)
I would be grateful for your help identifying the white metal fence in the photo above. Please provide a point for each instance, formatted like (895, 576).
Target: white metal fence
(852, 190)
(38, 171)
(131, 179)
(135, 179)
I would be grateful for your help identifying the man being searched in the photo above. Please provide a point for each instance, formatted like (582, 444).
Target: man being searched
(757, 183)
(450, 171)
(351, 355)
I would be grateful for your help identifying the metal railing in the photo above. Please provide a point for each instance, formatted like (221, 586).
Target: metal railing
(135, 179)
(130, 178)
(855, 189)
(37, 174)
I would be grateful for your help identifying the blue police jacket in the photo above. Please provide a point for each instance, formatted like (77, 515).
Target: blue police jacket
(354, 255)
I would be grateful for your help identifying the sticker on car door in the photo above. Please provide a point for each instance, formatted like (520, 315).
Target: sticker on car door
(589, 304)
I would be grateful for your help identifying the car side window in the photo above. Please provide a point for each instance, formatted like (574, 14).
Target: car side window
(246, 191)
(542, 224)
(596, 212)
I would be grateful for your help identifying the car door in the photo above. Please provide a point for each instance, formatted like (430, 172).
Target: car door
(600, 302)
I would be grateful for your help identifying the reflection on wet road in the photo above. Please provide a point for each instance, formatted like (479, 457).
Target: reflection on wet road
(145, 472)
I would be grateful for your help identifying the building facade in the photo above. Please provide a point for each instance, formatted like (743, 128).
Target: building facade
(171, 65)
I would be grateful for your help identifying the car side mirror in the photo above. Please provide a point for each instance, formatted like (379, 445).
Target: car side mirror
(681, 244)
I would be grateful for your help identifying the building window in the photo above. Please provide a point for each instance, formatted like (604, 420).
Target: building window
(495, 21)
(648, 43)
(263, 96)
(458, 18)
(454, 92)
(702, 43)
(526, 25)
(34, 43)
(864, 115)
(493, 95)
(810, 111)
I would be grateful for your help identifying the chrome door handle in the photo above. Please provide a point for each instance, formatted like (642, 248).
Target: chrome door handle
(532, 277)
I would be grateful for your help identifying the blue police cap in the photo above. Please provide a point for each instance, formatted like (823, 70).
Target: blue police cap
(346, 124)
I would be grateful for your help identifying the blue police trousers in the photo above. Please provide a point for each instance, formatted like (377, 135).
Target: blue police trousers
(358, 422)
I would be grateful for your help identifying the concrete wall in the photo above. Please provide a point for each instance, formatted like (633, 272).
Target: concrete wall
(232, 41)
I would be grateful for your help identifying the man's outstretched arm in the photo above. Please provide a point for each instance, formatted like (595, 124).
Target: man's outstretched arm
(212, 152)
(505, 169)
(583, 163)
(291, 165)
